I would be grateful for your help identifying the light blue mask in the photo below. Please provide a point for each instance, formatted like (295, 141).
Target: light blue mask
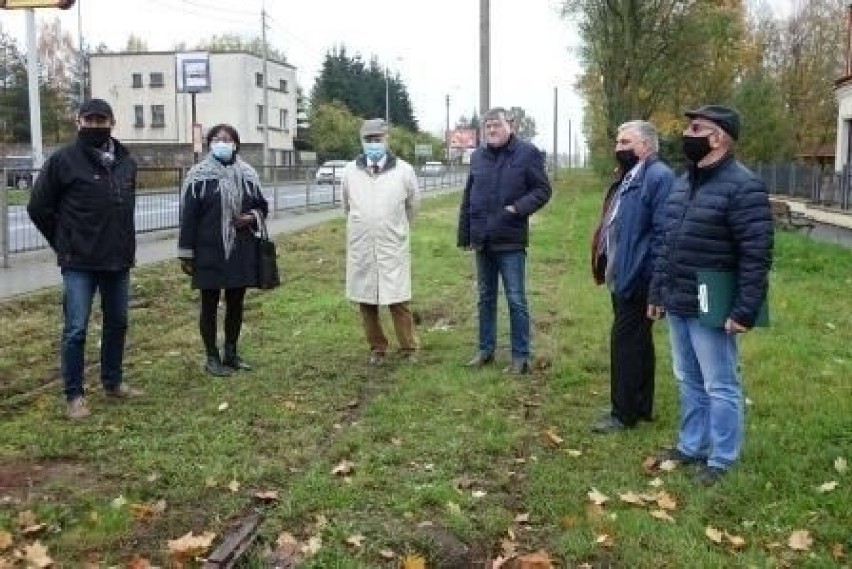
(223, 151)
(374, 151)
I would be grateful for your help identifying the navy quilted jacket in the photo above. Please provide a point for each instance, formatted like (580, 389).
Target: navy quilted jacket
(716, 218)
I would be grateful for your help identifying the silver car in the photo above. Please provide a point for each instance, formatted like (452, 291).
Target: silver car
(331, 172)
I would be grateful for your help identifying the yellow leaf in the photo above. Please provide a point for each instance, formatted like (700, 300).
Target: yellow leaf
(453, 508)
(190, 545)
(344, 468)
(605, 540)
(538, 560)
(267, 495)
(837, 551)
(522, 519)
(800, 540)
(840, 464)
(668, 465)
(355, 540)
(35, 555)
(597, 497)
(662, 515)
(551, 437)
(413, 561)
(312, 546)
(632, 497)
(508, 547)
(574, 452)
(665, 501)
(286, 539)
(27, 518)
(656, 482)
(33, 529)
(713, 534)
(827, 487)
(736, 541)
(234, 486)
(387, 554)
(223, 406)
(5, 540)
(138, 562)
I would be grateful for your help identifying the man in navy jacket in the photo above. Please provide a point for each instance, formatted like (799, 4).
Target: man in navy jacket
(506, 185)
(626, 242)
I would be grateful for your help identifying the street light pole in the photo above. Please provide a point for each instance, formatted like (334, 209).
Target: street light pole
(447, 130)
(387, 97)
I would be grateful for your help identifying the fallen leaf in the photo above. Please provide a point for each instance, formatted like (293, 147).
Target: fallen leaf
(827, 487)
(656, 482)
(666, 502)
(27, 518)
(355, 540)
(597, 497)
(538, 560)
(574, 452)
(267, 495)
(312, 546)
(119, 502)
(223, 406)
(5, 540)
(33, 529)
(522, 519)
(668, 465)
(632, 497)
(713, 534)
(286, 539)
(35, 555)
(210, 482)
(387, 554)
(508, 547)
(605, 540)
(413, 561)
(736, 541)
(190, 545)
(551, 437)
(344, 468)
(138, 562)
(800, 540)
(662, 515)
(453, 508)
(234, 486)
(478, 493)
(837, 551)
(650, 464)
(840, 464)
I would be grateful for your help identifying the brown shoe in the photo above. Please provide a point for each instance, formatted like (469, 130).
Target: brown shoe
(481, 359)
(124, 392)
(77, 409)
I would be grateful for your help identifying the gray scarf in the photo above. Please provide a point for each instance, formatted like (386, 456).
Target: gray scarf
(231, 181)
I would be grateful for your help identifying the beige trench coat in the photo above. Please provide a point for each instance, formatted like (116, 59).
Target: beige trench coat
(379, 209)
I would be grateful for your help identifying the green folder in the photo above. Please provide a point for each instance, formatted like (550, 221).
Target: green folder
(716, 293)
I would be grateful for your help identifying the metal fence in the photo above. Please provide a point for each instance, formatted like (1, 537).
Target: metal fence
(287, 188)
(811, 183)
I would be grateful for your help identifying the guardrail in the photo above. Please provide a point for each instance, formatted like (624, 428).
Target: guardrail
(158, 200)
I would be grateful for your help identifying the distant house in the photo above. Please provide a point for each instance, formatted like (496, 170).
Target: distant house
(843, 93)
(155, 120)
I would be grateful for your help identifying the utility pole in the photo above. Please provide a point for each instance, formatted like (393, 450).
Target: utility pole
(35, 100)
(447, 130)
(570, 140)
(555, 132)
(82, 55)
(484, 56)
(387, 97)
(265, 92)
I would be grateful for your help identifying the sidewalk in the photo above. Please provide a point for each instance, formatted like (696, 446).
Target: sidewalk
(29, 272)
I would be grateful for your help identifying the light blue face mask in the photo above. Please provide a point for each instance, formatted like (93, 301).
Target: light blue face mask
(223, 151)
(374, 151)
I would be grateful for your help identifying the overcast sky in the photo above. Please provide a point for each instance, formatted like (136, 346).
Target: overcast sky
(434, 45)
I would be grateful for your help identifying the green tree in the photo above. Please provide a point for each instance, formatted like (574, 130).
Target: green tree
(334, 131)
(523, 125)
(234, 42)
(135, 44)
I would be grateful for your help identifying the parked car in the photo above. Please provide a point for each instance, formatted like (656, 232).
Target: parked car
(433, 169)
(19, 171)
(331, 172)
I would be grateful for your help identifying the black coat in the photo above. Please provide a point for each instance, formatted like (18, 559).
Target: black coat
(85, 208)
(511, 175)
(200, 236)
(716, 218)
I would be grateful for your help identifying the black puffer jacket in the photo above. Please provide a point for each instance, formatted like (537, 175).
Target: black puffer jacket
(85, 208)
(716, 218)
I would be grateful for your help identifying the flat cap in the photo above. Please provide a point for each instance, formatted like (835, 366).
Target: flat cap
(725, 117)
(96, 107)
(373, 127)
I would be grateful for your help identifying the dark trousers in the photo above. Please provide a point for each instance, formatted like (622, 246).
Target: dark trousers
(631, 360)
(234, 298)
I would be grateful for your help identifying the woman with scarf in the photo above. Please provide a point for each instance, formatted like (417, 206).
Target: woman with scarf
(222, 207)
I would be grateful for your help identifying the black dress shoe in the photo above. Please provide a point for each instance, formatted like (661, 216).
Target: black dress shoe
(236, 364)
(518, 367)
(708, 475)
(609, 424)
(214, 367)
(481, 359)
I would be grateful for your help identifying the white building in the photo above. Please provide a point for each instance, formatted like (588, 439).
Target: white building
(155, 120)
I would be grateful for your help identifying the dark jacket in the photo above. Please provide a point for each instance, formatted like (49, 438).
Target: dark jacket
(511, 175)
(639, 227)
(716, 218)
(85, 209)
(200, 237)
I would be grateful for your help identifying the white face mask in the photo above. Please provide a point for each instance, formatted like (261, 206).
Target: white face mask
(223, 151)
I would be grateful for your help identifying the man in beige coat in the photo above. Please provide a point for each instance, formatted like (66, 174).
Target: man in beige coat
(380, 198)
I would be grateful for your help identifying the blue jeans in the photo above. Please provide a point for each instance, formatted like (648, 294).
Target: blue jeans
(712, 414)
(79, 289)
(511, 266)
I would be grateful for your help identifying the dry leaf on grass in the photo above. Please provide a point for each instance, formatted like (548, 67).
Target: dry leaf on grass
(574, 453)
(35, 555)
(27, 518)
(668, 465)
(837, 551)
(223, 406)
(538, 560)
(551, 437)
(387, 554)
(508, 547)
(662, 515)
(5, 540)
(267, 495)
(33, 529)
(656, 482)
(713, 534)
(827, 487)
(649, 465)
(605, 540)
(736, 541)
(597, 498)
(344, 468)
(522, 519)
(147, 510)
(234, 486)
(632, 497)
(413, 561)
(355, 540)
(139, 562)
(312, 546)
(800, 540)
(666, 502)
(840, 465)
(190, 545)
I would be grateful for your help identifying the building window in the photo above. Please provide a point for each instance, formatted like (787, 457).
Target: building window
(283, 118)
(258, 79)
(139, 116)
(137, 80)
(261, 116)
(282, 85)
(156, 80)
(158, 116)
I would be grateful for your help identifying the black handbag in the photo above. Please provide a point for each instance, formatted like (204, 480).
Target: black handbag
(268, 276)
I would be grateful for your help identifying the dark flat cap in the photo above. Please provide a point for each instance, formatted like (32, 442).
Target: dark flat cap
(96, 107)
(725, 117)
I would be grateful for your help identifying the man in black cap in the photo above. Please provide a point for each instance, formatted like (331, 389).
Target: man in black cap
(717, 219)
(83, 203)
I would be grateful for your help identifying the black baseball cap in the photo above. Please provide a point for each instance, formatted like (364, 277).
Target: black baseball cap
(725, 118)
(96, 107)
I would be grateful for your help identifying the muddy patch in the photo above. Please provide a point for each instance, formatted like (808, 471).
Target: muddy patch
(23, 480)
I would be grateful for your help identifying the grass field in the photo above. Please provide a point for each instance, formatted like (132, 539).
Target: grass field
(431, 460)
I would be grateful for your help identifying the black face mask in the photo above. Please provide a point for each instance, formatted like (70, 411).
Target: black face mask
(695, 148)
(95, 136)
(627, 159)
